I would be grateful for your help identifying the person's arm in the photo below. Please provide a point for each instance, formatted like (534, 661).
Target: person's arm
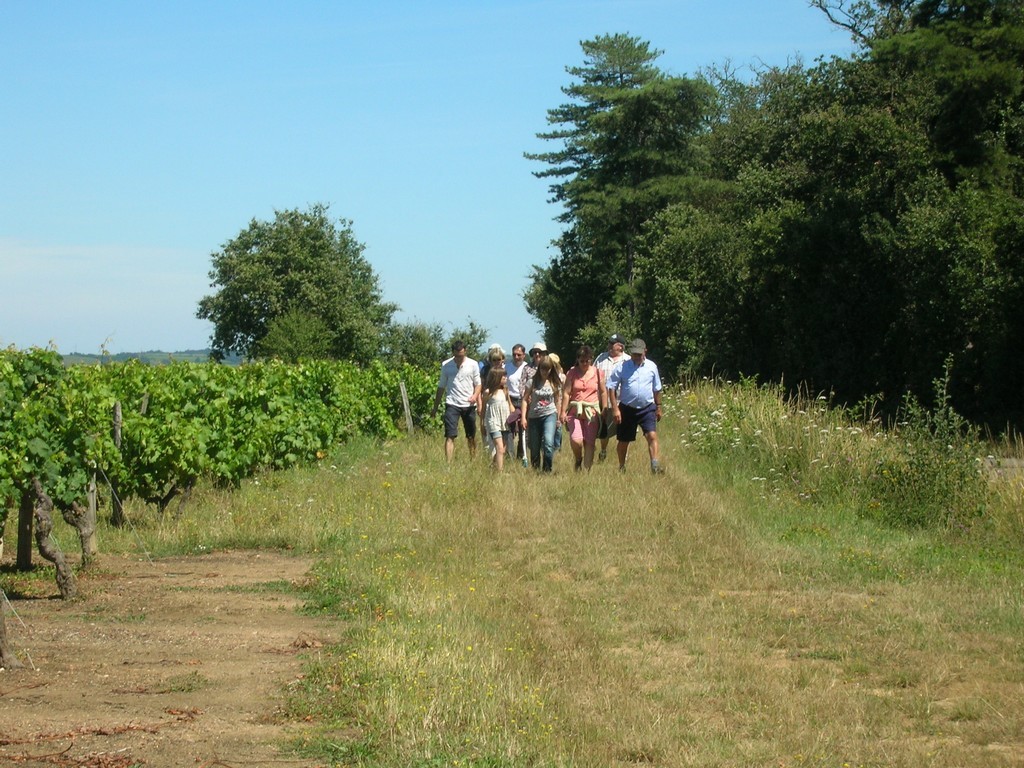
(442, 384)
(615, 406)
(477, 386)
(524, 405)
(613, 395)
(563, 404)
(602, 382)
(437, 401)
(657, 395)
(481, 402)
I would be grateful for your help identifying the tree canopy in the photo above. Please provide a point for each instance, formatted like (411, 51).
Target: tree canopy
(293, 287)
(427, 344)
(626, 151)
(853, 226)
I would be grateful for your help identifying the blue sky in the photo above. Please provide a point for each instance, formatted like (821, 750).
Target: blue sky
(137, 138)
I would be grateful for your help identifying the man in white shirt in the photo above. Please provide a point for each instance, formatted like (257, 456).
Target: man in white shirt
(607, 362)
(514, 371)
(460, 385)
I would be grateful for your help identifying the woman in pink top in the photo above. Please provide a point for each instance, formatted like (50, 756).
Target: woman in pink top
(583, 399)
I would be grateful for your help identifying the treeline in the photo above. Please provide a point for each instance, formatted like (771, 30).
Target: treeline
(855, 226)
(150, 357)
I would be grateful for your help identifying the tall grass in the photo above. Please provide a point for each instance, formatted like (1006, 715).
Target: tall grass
(930, 469)
(751, 607)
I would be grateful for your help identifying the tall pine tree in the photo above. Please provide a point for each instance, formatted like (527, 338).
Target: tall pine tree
(626, 152)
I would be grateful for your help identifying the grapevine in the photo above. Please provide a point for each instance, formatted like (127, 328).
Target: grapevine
(184, 421)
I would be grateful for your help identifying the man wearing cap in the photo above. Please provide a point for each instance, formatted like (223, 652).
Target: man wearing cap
(607, 362)
(635, 392)
(460, 384)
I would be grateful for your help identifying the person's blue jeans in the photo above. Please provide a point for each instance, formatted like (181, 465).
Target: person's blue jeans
(540, 433)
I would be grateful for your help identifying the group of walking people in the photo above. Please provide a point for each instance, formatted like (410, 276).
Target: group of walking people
(529, 399)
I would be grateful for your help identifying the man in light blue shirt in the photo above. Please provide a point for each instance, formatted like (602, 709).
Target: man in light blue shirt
(635, 392)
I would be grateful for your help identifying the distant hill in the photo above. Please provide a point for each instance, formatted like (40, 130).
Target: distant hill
(152, 357)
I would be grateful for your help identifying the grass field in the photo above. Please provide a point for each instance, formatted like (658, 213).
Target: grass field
(758, 605)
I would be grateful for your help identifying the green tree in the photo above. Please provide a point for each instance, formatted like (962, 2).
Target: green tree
(472, 335)
(415, 343)
(425, 345)
(627, 150)
(296, 335)
(954, 70)
(932, 182)
(848, 227)
(301, 262)
(692, 264)
(870, 204)
(609, 320)
(868, 20)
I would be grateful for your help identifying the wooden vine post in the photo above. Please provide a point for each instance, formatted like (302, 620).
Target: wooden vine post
(25, 510)
(405, 407)
(89, 547)
(117, 510)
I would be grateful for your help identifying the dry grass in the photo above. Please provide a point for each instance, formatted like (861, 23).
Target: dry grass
(603, 620)
(607, 620)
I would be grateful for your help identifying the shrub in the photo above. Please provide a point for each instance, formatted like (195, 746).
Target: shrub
(930, 473)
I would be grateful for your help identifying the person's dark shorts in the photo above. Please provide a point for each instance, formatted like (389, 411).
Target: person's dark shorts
(646, 418)
(453, 413)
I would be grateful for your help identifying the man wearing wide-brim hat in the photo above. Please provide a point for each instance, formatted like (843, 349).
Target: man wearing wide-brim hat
(635, 392)
(537, 353)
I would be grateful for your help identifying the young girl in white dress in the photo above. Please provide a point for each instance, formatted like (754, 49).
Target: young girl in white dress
(497, 409)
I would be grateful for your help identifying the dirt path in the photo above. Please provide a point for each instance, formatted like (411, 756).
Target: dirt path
(176, 662)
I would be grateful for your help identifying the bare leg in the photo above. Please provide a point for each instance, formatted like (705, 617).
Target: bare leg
(449, 448)
(577, 452)
(621, 449)
(652, 445)
(588, 456)
(499, 455)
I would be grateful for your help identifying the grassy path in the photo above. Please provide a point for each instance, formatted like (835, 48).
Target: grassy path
(613, 620)
(610, 620)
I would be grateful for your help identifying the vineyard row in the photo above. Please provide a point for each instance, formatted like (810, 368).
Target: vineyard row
(183, 421)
